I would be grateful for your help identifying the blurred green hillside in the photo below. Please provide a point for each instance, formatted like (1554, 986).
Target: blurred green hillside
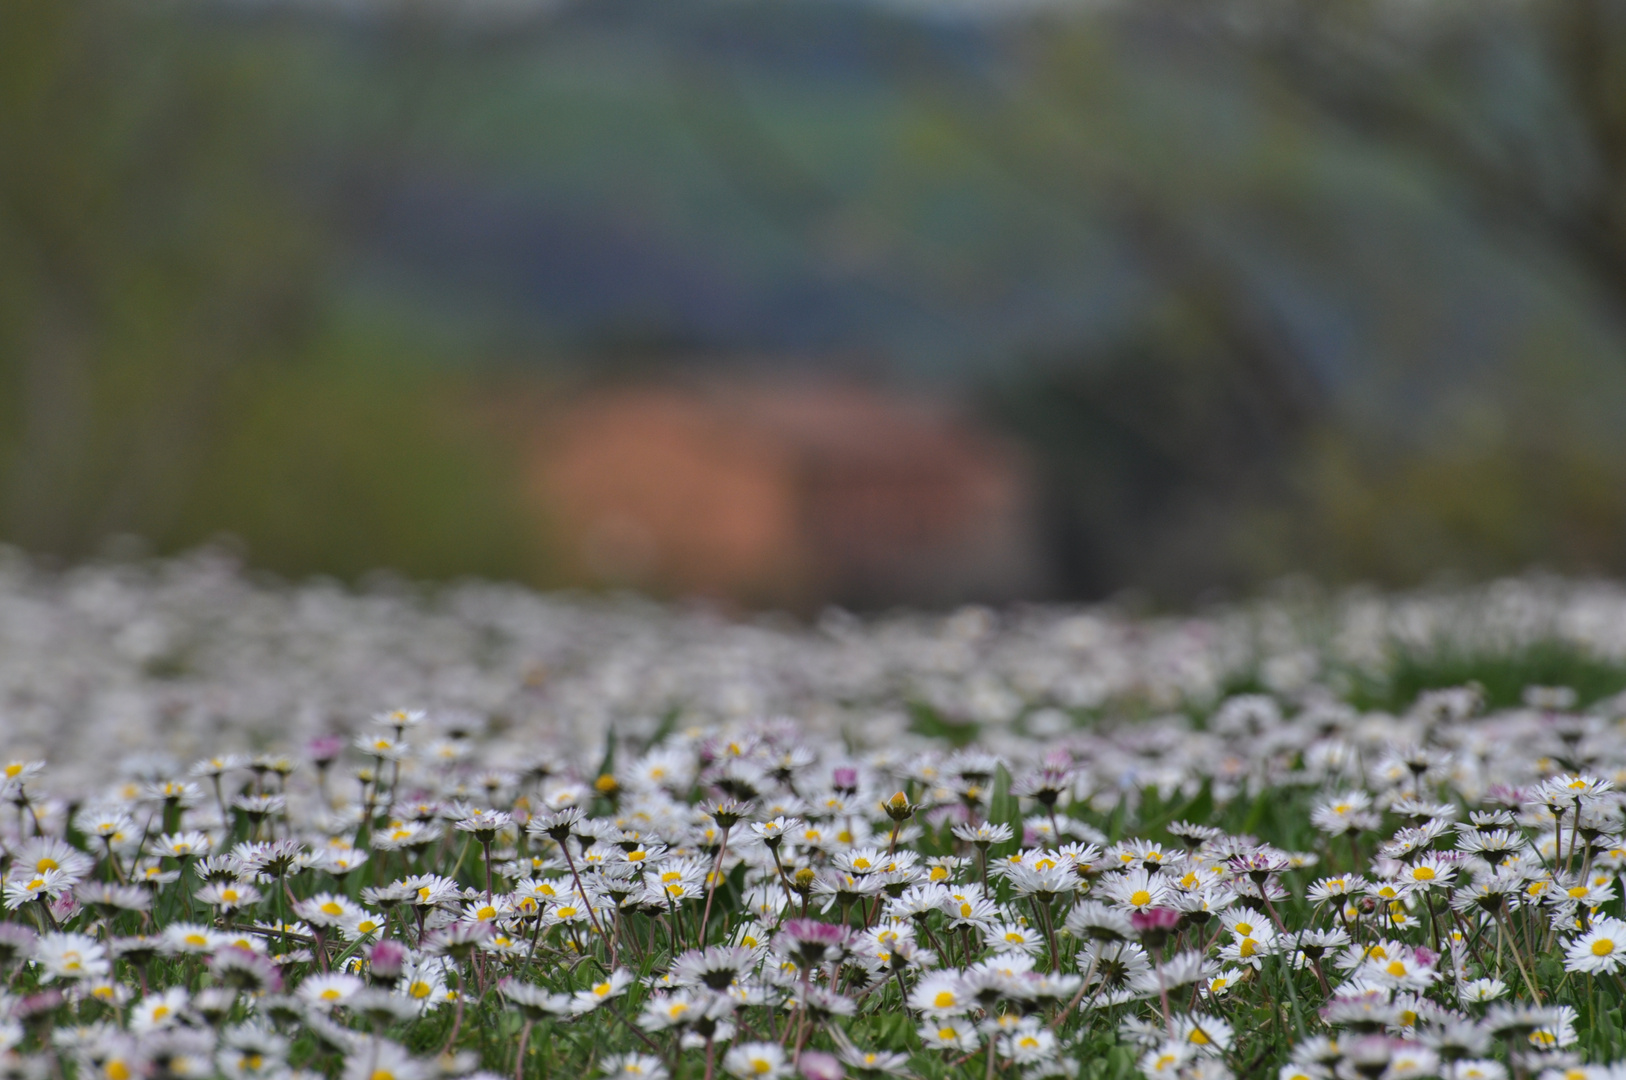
(1264, 287)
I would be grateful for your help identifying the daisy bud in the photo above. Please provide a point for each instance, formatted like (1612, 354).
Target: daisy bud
(1154, 925)
(385, 960)
(817, 1065)
(324, 749)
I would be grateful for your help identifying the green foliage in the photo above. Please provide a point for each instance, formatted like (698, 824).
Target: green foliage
(1502, 675)
(1004, 809)
(342, 470)
(927, 721)
(149, 252)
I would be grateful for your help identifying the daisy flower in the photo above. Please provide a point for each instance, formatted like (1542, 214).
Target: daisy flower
(1428, 872)
(44, 853)
(359, 924)
(380, 1059)
(632, 1067)
(229, 895)
(182, 845)
(1012, 937)
(757, 1061)
(1481, 991)
(1137, 890)
(949, 1035)
(941, 993)
(184, 937)
(873, 1063)
(71, 956)
(535, 1002)
(330, 990)
(158, 1010)
(604, 990)
(1598, 951)
(29, 886)
(326, 909)
(1030, 1043)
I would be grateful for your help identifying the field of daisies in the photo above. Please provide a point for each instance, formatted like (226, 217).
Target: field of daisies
(265, 832)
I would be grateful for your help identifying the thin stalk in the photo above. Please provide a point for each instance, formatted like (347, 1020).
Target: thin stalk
(711, 891)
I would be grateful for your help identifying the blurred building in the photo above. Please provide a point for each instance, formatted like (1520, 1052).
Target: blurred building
(789, 494)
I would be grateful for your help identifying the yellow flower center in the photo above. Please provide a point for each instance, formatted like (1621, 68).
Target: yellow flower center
(1602, 947)
(943, 1000)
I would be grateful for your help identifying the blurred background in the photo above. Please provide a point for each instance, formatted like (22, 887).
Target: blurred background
(797, 302)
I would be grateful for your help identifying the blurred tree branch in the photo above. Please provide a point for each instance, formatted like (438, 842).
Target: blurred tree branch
(1428, 79)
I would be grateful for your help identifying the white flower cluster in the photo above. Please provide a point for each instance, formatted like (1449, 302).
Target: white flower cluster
(631, 843)
(191, 656)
